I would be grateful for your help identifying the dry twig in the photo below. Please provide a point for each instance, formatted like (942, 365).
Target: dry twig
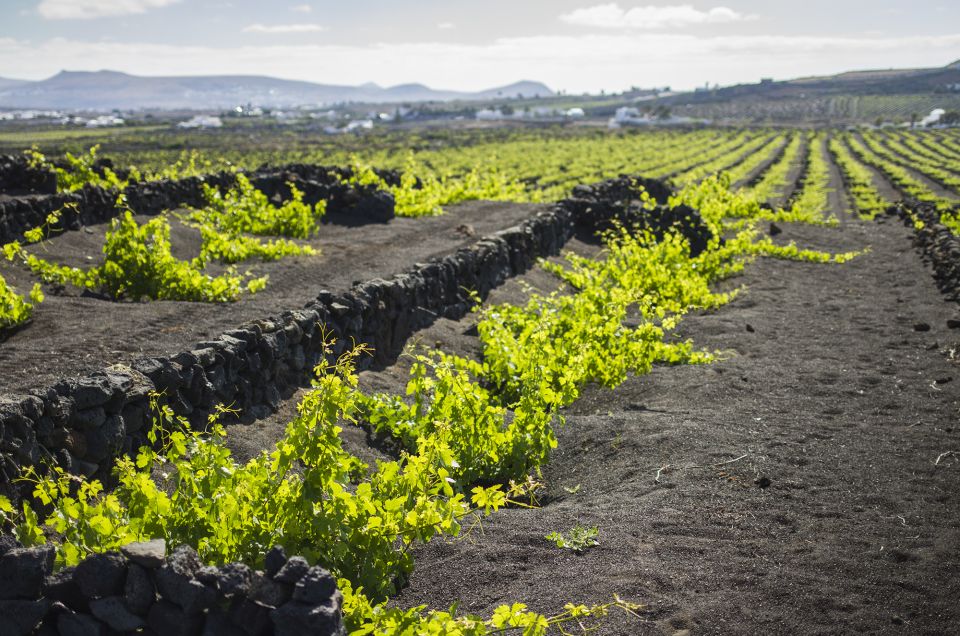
(656, 478)
(942, 456)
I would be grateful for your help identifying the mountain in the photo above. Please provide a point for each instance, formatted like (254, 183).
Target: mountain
(10, 83)
(870, 82)
(854, 97)
(105, 90)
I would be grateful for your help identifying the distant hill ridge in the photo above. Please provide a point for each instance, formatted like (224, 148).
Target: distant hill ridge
(863, 82)
(104, 90)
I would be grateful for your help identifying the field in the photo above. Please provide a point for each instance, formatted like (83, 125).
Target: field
(528, 380)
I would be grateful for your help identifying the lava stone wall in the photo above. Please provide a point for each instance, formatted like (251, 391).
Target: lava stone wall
(84, 424)
(91, 204)
(938, 244)
(17, 177)
(141, 589)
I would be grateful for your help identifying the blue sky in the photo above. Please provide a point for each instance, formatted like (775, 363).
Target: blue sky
(576, 45)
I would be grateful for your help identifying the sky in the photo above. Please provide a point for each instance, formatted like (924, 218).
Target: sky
(572, 45)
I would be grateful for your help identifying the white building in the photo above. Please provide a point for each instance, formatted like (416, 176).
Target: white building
(933, 117)
(202, 121)
(487, 114)
(104, 121)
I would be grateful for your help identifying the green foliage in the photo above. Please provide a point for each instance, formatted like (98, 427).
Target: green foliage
(423, 193)
(578, 539)
(309, 495)
(871, 153)
(189, 164)
(472, 433)
(811, 203)
(138, 264)
(859, 181)
(244, 209)
(14, 308)
(236, 248)
(489, 443)
(80, 171)
(228, 219)
(381, 620)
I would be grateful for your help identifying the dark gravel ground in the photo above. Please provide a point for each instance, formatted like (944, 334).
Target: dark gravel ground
(72, 333)
(799, 490)
(806, 482)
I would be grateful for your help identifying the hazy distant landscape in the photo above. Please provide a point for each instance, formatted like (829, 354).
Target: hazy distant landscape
(870, 96)
(454, 319)
(108, 90)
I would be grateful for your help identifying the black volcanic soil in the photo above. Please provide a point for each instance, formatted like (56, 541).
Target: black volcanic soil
(799, 488)
(74, 333)
(809, 481)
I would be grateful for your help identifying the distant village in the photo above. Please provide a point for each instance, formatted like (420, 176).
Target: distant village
(642, 110)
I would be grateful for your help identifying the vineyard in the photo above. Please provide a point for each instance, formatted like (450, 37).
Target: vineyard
(486, 381)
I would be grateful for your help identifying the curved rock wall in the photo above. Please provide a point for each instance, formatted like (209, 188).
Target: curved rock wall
(142, 589)
(83, 424)
(90, 205)
(938, 244)
(18, 178)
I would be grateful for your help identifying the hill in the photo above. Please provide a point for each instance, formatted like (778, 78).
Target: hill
(11, 83)
(104, 90)
(886, 94)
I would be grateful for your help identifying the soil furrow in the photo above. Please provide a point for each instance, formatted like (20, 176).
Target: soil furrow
(798, 488)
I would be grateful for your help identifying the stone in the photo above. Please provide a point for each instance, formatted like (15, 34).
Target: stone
(184, 561)
(62, 587)
(22, 571)
(269, 592)
(218, 624)
(21, 617)
(134, 417)
(105, 442)
(8, 542)
(79, 625)
(234, 579)
(208, 575)
(139, 593)
(112, 611)
(101, 575)
(91, 391)
(88, 419)
(252, 617)
(176, 582)
(293, 570)
(169, 620)
(149, 554)
(275, 559)
(316, 586)
(295, 619)
(75, 442)
(205, 357)
(84, 468)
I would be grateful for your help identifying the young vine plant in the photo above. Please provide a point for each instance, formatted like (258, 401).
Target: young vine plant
(473, 433)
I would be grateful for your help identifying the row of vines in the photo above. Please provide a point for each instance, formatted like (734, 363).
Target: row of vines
(474, 432)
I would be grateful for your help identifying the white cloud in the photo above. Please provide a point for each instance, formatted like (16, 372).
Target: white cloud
(611, 16)
(89, 9)
(302, 8)
(610, 61)
(444, 26)
(283, 28)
